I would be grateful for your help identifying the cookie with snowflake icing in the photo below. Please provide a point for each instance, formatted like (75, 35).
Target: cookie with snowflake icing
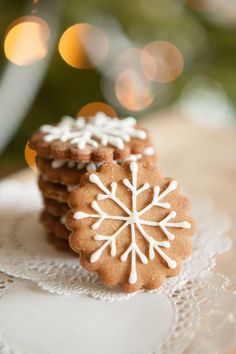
(131, 225)
(98, 139)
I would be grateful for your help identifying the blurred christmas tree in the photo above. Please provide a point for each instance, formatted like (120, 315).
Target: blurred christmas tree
(203, 31)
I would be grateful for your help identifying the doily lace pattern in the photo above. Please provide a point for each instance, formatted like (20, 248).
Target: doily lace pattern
(6, 281)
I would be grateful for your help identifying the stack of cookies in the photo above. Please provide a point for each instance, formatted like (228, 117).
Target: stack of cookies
(65, 152)
(103, 193)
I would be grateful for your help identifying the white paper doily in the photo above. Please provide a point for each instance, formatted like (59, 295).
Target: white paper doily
(26, 254)
(33, 321)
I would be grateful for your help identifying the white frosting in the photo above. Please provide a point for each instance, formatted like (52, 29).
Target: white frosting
(133, 220)
(133, 157)
(82, 132)
(58, 163)
(92, 166)
(63, 220)
(71, 187)
(149, 151)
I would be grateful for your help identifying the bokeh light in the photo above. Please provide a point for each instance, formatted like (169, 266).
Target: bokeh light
(131, 86)
(205, 5)
(30, 156)
(169, 62)
(133, 90)
(90, 109)
(132, 59)
(83, 46)
(205, 101)
(225, 15)
(26, 40)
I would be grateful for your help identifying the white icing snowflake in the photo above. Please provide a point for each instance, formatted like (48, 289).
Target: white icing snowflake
(101, 128)
(133, 219)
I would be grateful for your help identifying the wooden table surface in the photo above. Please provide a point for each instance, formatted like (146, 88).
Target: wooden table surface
(203, 160)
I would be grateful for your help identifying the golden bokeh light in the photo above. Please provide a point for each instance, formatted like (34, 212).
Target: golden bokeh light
(83, 46)
(26, 40)
(205, 5)
(132, 90)
(30, 156)
(169, 62)
(90, 109)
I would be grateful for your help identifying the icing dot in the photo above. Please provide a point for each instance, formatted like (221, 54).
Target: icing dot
(142, 134)
(94, 178)
(58, 163)
(149, 151)
(91, 167)
(172, 264)
(133, 277)
(133, 167)
(165, 244)
(186, 225)
(173, 185)
(95, 256)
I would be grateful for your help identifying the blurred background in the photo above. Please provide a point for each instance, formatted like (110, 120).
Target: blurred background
(123, 57)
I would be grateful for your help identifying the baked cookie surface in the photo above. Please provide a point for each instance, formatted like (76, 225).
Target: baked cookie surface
(131, 225)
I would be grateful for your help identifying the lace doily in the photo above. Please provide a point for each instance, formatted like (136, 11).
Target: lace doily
(204, 317)
(25, 253)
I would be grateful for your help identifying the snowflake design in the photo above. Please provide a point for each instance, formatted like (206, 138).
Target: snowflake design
(133, 219)
(101, 128)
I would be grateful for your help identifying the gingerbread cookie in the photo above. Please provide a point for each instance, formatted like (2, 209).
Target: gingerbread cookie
(54, 207)
(59, 244)
(99, 139)
(54, 225)
(58, 171)
(70, 172)
(53, 190)
(131, 225)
